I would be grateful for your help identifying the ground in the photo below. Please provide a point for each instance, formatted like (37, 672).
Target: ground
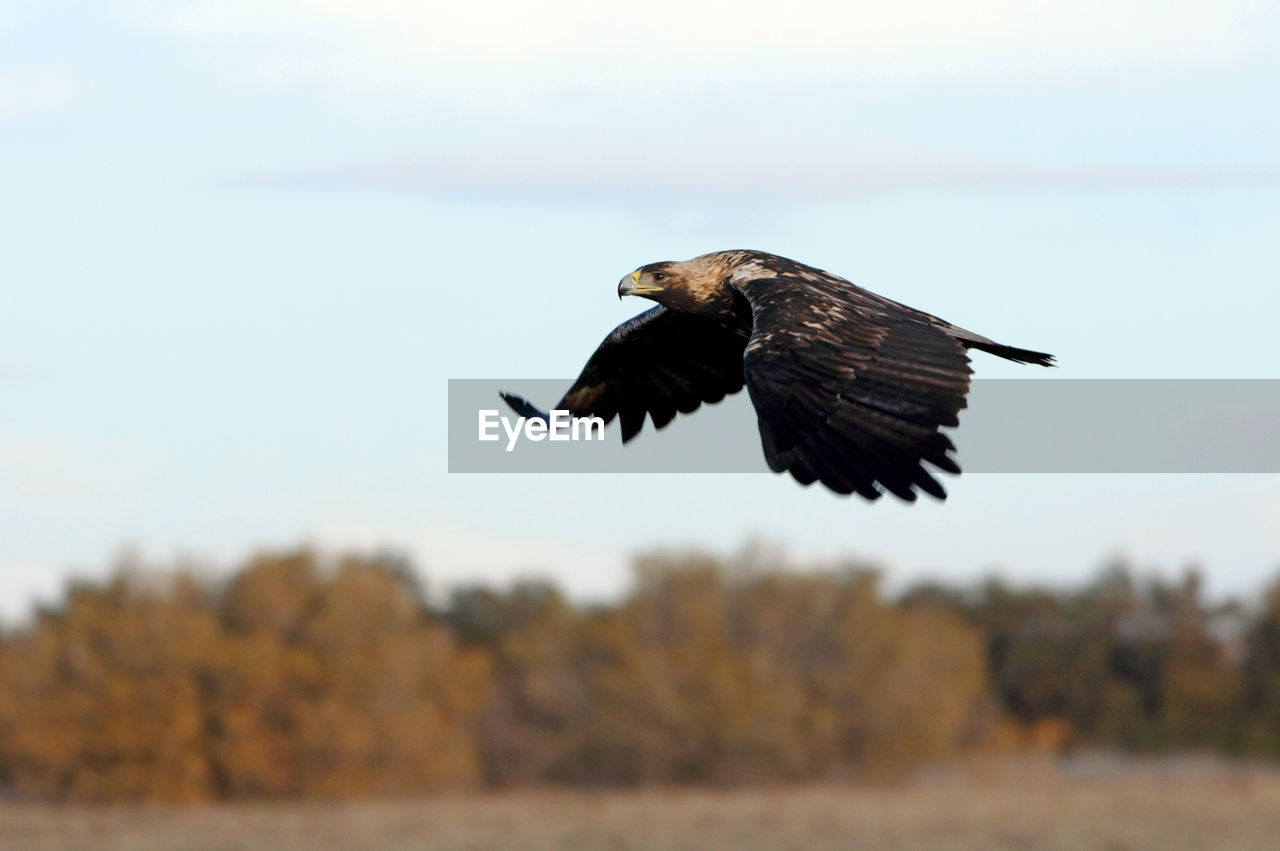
(1168, 806)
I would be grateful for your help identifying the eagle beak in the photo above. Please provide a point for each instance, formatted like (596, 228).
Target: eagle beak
(630, 285)
(627, 286)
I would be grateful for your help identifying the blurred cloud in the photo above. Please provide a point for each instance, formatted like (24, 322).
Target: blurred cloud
(723, 169)
(512, 49)
(29, 93)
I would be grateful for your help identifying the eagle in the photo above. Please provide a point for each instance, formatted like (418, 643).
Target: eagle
(850, 388)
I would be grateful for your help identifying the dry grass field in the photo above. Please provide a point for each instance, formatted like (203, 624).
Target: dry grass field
(1158, 806)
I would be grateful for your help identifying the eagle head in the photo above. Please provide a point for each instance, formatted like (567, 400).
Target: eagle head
(699, 285)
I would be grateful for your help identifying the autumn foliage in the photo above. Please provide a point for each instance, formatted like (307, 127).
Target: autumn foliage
(307, 676)
(291, 680)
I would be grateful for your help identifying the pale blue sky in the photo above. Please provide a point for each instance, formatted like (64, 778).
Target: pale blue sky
(244, 245)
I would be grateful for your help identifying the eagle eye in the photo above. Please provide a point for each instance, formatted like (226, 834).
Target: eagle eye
(659, 277)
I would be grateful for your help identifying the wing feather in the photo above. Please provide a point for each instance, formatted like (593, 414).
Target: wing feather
(850, 389)
(658, 363)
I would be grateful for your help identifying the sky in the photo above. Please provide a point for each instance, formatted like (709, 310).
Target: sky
(244, 245)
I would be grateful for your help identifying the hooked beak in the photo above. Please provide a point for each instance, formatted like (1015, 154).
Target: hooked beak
(630, 285)
(627, 286)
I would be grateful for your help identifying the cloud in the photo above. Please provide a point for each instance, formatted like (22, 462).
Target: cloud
(513, 49)
(33, 93)
(722, 170)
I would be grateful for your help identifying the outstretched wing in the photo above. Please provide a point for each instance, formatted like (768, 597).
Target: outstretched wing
(851, 389)
(658, 362)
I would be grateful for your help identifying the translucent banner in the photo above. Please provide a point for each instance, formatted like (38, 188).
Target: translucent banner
(1010, 426)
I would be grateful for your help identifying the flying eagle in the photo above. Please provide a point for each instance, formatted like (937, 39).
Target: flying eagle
(850, 388)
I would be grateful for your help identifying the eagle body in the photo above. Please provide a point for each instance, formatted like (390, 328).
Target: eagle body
(850, 388)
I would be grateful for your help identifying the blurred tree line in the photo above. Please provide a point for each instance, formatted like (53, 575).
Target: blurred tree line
(308, 676)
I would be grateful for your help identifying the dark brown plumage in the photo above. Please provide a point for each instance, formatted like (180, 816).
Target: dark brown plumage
(850, 388)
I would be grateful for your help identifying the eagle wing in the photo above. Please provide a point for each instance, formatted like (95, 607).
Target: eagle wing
(660, 362)
(851, 389)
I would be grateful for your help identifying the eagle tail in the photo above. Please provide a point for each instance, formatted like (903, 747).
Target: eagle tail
(1012, 353)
